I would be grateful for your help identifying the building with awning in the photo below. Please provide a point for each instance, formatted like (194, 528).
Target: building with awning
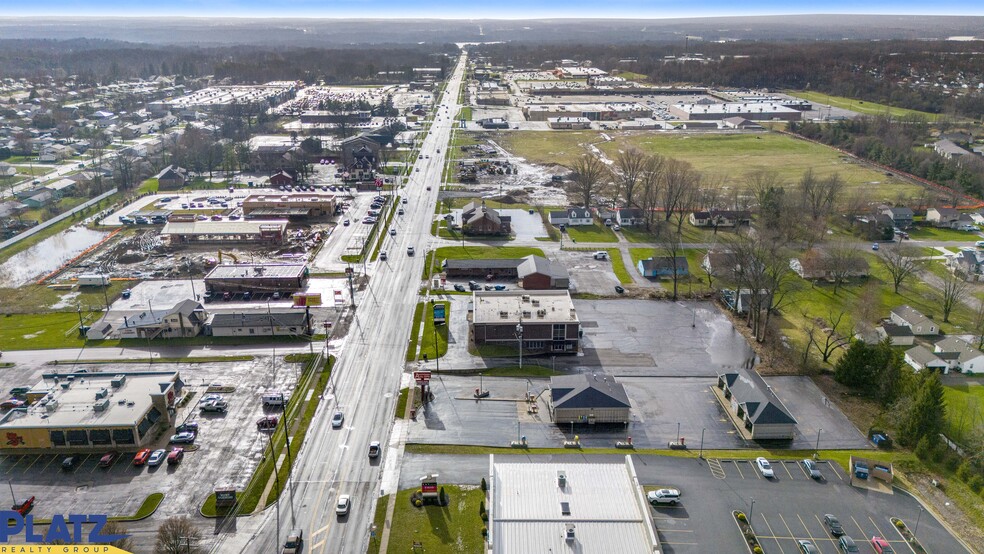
(292, 207)
(177, 233)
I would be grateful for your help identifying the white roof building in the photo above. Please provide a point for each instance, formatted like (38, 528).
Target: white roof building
(568, 507)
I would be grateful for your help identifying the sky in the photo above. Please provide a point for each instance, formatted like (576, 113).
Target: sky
(489, 9)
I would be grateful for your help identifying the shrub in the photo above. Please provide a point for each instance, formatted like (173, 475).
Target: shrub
(418, 502)
(485, 516)
(481, 507)
(485, 486)
(757, 550)
(741, 517)
(966, 471)
(951, 461)
(976, 483)
(899, 524)
(924, 449)
(485, 531)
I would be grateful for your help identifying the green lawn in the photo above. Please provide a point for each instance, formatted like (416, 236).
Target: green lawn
(401, 403)
(454, 528)
(859, 106)
(697, 282)
(933, 233)
(632, 76)
(428, 337)
(150, 185)
(964, 409)
(618, 266)
(594, 233)
(43, 331)
(418, 314)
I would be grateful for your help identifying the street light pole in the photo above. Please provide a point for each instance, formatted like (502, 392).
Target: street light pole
(519, 334)
(916, 528)
(750, 512)
(701, 454)
(817, 451)
(276, 474)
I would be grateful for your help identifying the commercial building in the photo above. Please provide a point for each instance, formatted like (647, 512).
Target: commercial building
(533, 272)
(755, 409)
(543, 321)
(283, 278)
(294, 207)
(92, 412)
(184, 319)
(568, 507)
(260, 321)
(753, 111)
(611, 111)
(321, 117)
(588, 398)
(178, 233)
(568, 122)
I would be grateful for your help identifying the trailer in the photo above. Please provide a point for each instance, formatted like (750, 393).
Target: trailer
(93, 280)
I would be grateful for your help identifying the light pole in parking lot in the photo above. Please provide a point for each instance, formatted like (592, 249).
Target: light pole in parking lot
(816, 452)
(701, 454)
(750, 512)
(916, 528)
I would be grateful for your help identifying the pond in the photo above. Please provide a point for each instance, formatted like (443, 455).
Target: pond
(48, 255)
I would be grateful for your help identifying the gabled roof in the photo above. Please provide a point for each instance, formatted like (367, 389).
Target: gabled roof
(910, 315)
(587, 391)
(894, 330)
(901, 211)
(965, 352)
(172, 172)
(923, 356)
(761, 404)
(579, 213)
(664, 262)
(538, 264)
(947, 212)
(634, 213)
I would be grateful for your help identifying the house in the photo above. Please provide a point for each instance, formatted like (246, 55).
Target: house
(55, 153)
(539, 273)
(7, 170)
(741, 301)
(756, 411)
(721, 218)
(898, 335)
(949, 149)
(739, 123)
(968, 263)
(901, 216)
(968, 359)
(877, 226)
(359, 152)
(171, 177)
(721, 264)
(61, 187)
(40, 199)
(629, 217)
(478, 219)
(942, 217)
(588, 398)
(920, 325)
(920, 357)
(281, 178)
(663, 266)
(260, 323)
(571, 217)
(957, 137)
(818, 263)
(184, 319)
(11, 208)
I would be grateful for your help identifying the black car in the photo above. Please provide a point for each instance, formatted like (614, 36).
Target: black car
(459, 288)
(70, 462)
(619, 289)
(472, 285)
(834, 525)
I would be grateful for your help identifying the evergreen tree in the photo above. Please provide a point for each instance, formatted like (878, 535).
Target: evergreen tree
(924, 418)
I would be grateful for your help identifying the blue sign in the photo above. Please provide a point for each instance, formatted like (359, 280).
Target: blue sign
(62, 528)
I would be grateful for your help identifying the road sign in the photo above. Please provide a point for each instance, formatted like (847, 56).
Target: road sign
(422, 377)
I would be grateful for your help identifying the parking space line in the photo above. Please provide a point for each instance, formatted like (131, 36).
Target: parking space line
(858, 526)
(773, 533)
(875, 525)
(784, 464)
(833, 467)
(16, 463)
(735, 462)
(803, 470)
(826, 532)
(53, 458)
(717, 471)
(34, 460)
(783, 520)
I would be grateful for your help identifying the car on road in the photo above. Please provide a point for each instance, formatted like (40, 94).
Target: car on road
(811, 469)
(157, 457)
(806, 547)
(374, 449)
(410, 251)
(141, 457)
(874, 246)
(392, 232)
(344, 504)
(459, 287)
(11, 404)
(295, 539)
(175, 456)
(267, 422)
(400, 211)
(833, 524)
(404, 200)
(664, 496)
(847, 545)
(218, 406)
(70, 462)
(881, 545)
(764, 467)
(347, 222)
(619, 289)
(23, 506)
(337, 420)
(108, 459)
(382, 255)
(183, 438)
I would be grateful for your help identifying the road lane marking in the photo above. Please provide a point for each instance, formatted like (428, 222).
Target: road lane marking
(717, 471)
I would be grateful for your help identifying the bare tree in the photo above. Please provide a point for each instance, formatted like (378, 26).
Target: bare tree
(669, 245)
(819, 194)
(979, 325)
(679, 182)
(177, 535)
(126, 169)
(843, 260)
(688, 198)
(629, 167)
(116, 528)
(651, 182)
(830, 338)
(901, 262)
(588, 174)
(953, 289)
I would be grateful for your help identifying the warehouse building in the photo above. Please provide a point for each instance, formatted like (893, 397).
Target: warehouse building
(293, 207)
(177, 233)
(568, 508)
(260, 322)
(543, 322)
(753, 111)
(568, 122)
(282, 278)
(611, 111)
(588, 398)
(92, 412)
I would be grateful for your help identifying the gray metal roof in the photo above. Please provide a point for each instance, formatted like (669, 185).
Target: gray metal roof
(255, 271)
(761, 404)
(538, 264)
(281, 318)
(587, 391)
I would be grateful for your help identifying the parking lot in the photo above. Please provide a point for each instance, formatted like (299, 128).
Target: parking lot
(226, 451)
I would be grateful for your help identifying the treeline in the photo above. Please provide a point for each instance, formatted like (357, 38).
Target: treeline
(897, 142)
(881, 71)
(100, 61)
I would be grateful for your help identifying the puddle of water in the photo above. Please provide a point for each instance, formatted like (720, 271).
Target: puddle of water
(726, 346)
(46, 256)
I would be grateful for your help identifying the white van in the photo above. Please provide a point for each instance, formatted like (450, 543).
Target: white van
(274, 399)
(600, 255)
(980, 244)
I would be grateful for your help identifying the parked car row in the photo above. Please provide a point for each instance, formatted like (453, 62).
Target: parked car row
(143, 457)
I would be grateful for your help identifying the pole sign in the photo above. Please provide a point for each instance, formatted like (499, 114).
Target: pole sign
(422, 377)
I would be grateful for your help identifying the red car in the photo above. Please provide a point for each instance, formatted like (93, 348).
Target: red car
(175, 456)
(23, 506)
(881, 545)
(11, 404)
(266, 422)
(141, 457)
(108, 459)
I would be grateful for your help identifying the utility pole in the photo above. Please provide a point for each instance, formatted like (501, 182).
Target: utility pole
(701, 454)
(349, 272)
(817, 451)
(276, 474)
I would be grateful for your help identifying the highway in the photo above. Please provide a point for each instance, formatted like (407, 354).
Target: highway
(366, 378)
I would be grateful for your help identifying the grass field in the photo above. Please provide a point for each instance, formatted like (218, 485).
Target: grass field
(696, 282)
(860, 106)
(593, 233)
(933, 233)
(618, 266)
(455, 528)
(42, 331)
(964, 409)
(428, 337)
(722, 158)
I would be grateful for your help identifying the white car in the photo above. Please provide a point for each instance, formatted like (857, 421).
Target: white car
(337, 419)
(156, 457)
(764, 467)
(344, 503)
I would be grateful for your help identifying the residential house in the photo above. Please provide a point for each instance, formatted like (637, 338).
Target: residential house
(55, 153)
(897, 335)
(942, 217)
(721, 264)
(920, 325)
(588, 398)
(901, 216)
(877, 226)
(40, 199)
(949, 149)
(957, 137)
(818, 263)
(629, 217)
(741, 301)
(282, 178)
(478, 219)
(571, 217)
(720, 218)
(968, 263)
(360, 152)
(172, 177)
(7, 170)
(184, 319)
(753, 405)
(663, 266)
(920, 357)
(968, 359)
(61, 188)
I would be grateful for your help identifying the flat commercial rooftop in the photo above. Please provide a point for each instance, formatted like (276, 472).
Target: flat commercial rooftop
(249, 271)
(530, 306)
(74, 406)
(221, 227)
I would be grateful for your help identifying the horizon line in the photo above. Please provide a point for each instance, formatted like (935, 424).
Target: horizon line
(627, 17)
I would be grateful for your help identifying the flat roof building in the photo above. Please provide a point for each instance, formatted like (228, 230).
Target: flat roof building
(568, 507)
(289, 206)
(753, 111)
(548, 318)
(260, 321)
(206, 232)
(257, 278)
(92, 412)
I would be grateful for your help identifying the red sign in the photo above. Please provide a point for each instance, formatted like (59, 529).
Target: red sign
(13, 439)
(428, 487)
(419, 376)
